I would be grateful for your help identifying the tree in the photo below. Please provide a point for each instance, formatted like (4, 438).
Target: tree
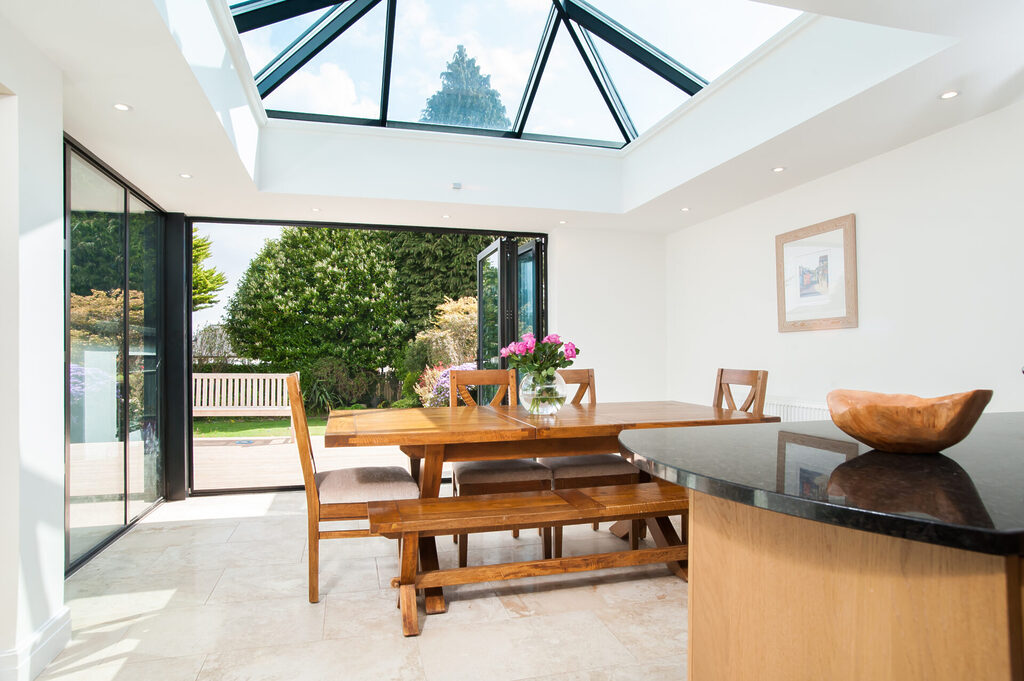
(431, 267)
(206, 281)
(318, 292)
(466, 97)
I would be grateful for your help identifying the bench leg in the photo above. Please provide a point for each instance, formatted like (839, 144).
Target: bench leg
(546, 534)
(463, 550)
(410, 618)
(558, 542)
(407, 590)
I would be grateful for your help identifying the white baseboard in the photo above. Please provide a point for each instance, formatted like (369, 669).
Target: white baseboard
(28, 660)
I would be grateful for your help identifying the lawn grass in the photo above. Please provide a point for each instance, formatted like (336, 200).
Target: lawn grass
(251, 426)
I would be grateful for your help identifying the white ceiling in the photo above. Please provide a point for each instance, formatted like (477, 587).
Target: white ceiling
(124, 51)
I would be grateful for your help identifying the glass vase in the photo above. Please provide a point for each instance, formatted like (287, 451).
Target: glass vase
(542, 395)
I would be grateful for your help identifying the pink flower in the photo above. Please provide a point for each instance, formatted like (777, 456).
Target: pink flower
(520, 349)
(570, 350)
(552, 338)
(505, 352)
(529, 343)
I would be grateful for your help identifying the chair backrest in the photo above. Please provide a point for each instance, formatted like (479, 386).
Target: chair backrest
(584, 378)
(506, 380)
(301, 430)
(756, 379)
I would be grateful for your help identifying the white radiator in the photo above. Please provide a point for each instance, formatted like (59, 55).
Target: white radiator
(796, 410)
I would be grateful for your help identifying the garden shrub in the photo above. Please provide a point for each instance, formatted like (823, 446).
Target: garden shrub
(434, 385)
(451, 339)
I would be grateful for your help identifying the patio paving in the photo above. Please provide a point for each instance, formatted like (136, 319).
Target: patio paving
(259, 462)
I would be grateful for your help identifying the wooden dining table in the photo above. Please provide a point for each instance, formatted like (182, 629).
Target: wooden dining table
(432, 436)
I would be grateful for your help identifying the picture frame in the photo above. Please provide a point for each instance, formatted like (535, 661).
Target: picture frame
(816, 276)
(805, 462)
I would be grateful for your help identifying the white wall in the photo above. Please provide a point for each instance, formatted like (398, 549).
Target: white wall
(34, 624)
(940, 248)
(607, 295)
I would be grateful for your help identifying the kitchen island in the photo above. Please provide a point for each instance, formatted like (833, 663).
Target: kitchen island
(814, 558)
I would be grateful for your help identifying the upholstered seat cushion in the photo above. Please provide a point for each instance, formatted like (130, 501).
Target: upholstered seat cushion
(370, 483)
(588, 466)
(513, 470)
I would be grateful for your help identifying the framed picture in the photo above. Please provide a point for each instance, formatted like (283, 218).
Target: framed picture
(816, 276)
(805, 463)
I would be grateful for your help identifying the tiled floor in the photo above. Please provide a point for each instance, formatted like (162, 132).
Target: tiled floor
(214, 588)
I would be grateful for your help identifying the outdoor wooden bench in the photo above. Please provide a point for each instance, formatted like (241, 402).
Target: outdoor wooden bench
(409, 520)
(240, 395)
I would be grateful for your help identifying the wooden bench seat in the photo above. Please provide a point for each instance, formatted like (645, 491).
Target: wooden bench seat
(412, 519)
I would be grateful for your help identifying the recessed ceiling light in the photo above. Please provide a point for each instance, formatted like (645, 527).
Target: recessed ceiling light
(685, 210)
(185, 176)
(949, 94)
(778, 169)
(561, 222)
(316, 210)
(122, 107)
(446, 216)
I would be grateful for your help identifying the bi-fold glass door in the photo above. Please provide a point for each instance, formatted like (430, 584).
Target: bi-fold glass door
(510, 298)
(114, 457)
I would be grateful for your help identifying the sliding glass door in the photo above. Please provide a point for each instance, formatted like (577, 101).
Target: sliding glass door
(114, 458)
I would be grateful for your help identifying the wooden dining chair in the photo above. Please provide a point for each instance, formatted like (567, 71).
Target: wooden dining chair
(494, 477)
(339, 494)
(757, 380)
(591, 470)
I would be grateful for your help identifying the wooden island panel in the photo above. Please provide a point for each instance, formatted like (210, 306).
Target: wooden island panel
(779, 598)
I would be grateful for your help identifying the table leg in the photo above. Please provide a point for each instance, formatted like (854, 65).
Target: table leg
(665, 535)
(430, 488)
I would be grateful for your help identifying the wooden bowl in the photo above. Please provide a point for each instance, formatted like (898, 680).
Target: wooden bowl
(906, 424)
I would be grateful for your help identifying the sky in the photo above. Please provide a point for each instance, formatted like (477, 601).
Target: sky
(707, 36)
(233, 247)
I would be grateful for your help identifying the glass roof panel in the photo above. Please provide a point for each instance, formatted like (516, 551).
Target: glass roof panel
(706, 37)
(487, 77)
(568, 103)
(262, 45)
(344, 79)
(647, 96)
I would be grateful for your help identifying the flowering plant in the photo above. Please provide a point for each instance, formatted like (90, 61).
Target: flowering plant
(540, 361)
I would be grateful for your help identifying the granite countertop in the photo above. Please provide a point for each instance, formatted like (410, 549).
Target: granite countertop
(971, 496)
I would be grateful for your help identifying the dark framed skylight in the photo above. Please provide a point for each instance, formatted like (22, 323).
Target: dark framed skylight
(597, 73)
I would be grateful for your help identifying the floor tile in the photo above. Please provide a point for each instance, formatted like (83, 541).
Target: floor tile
(216, 588)
(176, 669)
(229, 554)
(105, 598)
(211, 628)
(518, 648)
(632, 625)
(375, 658)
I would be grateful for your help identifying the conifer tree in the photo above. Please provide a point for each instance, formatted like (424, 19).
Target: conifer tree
(466, 97)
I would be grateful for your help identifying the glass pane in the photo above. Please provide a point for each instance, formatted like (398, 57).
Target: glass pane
(648, 97)
(527, 292)
(568, 102)
(145, 455)
(490, 304)
(707, 37)
(96, 473)
(262, 45)
(345, 78)
(461, 63)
